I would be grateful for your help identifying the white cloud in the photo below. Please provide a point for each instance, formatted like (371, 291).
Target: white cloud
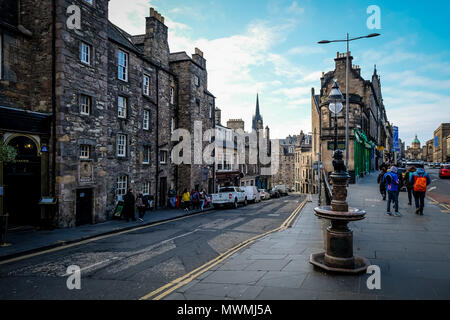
(130, 17)
(295, 9)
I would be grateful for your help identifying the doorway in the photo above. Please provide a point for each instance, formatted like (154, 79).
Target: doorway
(22, 180)
(84, 207)
(163, 192)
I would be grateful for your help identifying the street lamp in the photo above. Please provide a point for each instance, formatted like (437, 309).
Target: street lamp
(335, 98)
(347, 91)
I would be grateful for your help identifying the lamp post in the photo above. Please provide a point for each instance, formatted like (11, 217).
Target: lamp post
(347, 91)
(335, 98)
(339, 238)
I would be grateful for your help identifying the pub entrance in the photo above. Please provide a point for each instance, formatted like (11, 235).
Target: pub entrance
(22, 180)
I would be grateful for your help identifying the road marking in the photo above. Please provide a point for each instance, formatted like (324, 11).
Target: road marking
(91, 266)
(64, 246)
(432, 188)
(183, 280)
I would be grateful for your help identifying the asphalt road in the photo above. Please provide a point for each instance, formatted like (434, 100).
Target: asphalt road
(439, 189)
(129, 266)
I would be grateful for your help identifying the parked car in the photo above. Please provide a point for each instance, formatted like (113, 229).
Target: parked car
(274, 193)
(264, 194)
(229, 196)
(445, 171)
(282, 189)
(252, 193)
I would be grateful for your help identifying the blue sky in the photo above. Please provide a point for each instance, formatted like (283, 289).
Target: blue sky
(270, 47)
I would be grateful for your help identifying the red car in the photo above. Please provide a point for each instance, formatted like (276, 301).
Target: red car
(445, 171)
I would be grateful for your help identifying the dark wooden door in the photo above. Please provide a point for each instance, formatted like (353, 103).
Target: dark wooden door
(163, 192)
(84, 207)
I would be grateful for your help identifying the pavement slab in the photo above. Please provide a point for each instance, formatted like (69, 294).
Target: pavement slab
(411, 251)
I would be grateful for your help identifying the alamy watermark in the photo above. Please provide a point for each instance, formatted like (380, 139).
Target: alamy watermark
(374, 281)
(210, 146)
(74, 279)
(374, 20)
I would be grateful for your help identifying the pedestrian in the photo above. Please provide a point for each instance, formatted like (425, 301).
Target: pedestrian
(195, 199)
(408, 183)
(128, 205)
(392, 183)
(202, 198)
(381, 182)
(172, 197)
(140, 205)
(420, 180)
(185, 200)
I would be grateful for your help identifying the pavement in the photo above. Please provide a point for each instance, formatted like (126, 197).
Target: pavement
(412, 252)
(28, 240)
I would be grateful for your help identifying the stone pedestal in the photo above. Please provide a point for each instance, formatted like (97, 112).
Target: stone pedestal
(339, 246)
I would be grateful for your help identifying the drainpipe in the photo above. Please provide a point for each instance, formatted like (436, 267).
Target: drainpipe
(157, 140)
(54, 97)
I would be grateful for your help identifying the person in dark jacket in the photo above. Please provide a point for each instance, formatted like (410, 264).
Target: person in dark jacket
(128, 205)
(381, 183)
(392, 185)
(408, 183)
(420, 180)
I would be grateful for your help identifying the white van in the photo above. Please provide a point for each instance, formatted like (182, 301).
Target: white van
(252, 193)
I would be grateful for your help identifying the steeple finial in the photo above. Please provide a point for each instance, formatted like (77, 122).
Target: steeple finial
(257, 105)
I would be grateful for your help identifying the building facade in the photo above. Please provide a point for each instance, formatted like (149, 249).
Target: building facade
(370, 133)
(91, 110)
(440, 152)
(305, 176)
(414, 152)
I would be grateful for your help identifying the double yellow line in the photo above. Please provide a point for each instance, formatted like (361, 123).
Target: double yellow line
(443, 205)
(167, 289)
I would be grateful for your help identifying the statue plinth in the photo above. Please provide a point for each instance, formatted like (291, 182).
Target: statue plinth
(339, 253)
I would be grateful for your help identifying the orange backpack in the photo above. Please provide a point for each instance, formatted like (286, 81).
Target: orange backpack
(421, 184)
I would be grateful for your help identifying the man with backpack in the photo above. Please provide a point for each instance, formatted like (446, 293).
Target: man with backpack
(392, 186)
(420, 180)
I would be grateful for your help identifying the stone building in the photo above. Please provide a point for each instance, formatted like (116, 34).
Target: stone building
(227, 166)
(429, 153)
(91, 110)
(440, 153)
(370, 134)
(305, 176)
(414, 152)
(286, 174)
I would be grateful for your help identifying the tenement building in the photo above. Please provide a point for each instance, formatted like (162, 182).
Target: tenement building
(440, 150)
(370, 134)
(91, 110)
(287, 160)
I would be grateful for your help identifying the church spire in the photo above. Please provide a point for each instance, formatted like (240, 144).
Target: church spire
(257, 122)
(257, 105)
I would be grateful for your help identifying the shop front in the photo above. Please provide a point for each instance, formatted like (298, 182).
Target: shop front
(363, 153)
(25, 180)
